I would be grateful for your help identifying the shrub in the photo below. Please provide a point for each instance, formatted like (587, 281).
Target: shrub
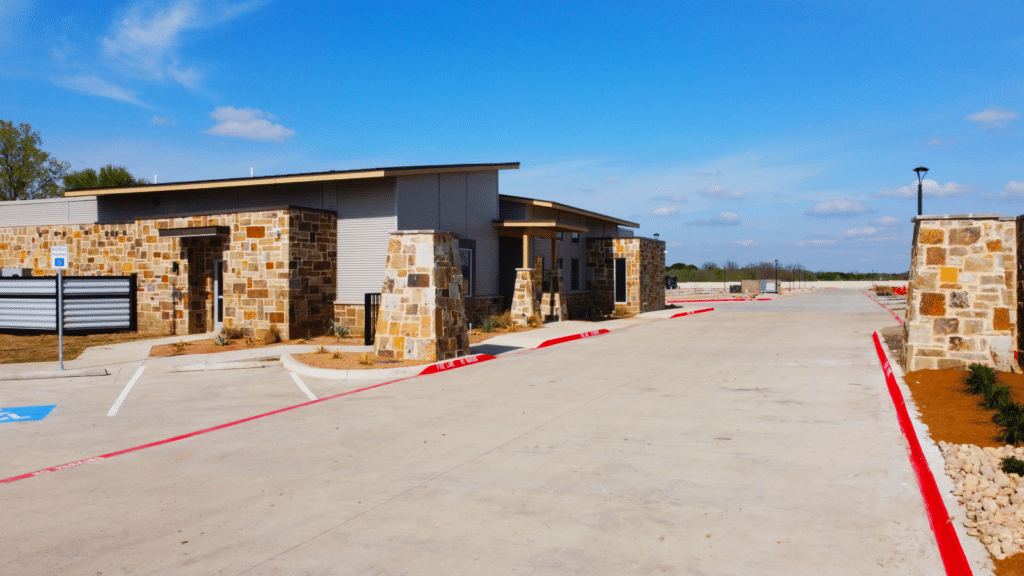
(321, 350)
(220, 339)
(1011, 419)
(1012, 465)
(367, 359)
(179, 346)
(231, 332)
(336, 355)
(338, 329)
(272, 335)
(996, 397)
(980, 378)
(488, 324)
(535, 321)
(505, 320)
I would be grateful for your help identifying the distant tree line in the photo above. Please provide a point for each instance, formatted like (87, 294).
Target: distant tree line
(732, 272)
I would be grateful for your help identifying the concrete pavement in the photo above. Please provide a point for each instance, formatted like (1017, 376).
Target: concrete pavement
(757, 439)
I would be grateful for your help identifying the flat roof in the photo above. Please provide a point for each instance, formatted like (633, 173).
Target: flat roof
(569, 209)
(293, 178)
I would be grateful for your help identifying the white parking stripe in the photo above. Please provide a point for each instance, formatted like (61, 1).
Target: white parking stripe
(302, 386)
(124, 393)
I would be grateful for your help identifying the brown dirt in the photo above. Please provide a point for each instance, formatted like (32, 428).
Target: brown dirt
(350, 361)
(477, 336)
(954, 415)
(43, 348)
(207, 346)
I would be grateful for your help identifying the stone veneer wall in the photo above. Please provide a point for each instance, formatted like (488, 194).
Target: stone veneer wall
(421, 315)
(962, 294)
(645, 273)
(312, 270)
(525, 297)
(257, 273)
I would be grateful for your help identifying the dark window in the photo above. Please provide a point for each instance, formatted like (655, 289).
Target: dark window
(575, 237)
(574, 281)
(560, 237)
(560, 266)
(466, 259)
(620, 280)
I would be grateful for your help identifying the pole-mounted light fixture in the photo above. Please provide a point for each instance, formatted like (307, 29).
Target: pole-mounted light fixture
(921, 171)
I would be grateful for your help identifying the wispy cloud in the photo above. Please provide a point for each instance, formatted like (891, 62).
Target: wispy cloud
(866, 231)
(613, 180)
(699, 174)
(838, 208)
(935, 142)
(930, 188)
(746, 243)
(886, 221)
(145, 42)
(1012, 191)
(677, 199)
(817, 242)
(723, 219)
(992, 117)
(717, 191)
(665, 211)
(96, 86)
(247, 123)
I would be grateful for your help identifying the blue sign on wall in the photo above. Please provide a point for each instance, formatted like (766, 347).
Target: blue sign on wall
(24, 413)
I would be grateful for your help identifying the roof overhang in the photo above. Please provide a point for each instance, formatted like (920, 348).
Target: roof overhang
(538, 228)
(194, 232)
(569, 209)
(296, 178)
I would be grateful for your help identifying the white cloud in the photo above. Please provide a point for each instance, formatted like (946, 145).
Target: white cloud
(698, 174)
(665, 211)
(144, 43)
(886, 221)
(939, 142)
(747, 243)
(96, 86)
(247, 123)
(716, 191)
(817, 242)
(677, 199)
(723, 219)
(866, 231)
(930, 188)
(1012, 191)
(992, 117)
(613, 180)
(838, 208)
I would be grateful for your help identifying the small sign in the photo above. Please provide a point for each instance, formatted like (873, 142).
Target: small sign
(59, 257)
(25, 413)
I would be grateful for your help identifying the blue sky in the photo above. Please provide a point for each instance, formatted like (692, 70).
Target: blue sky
(736, 130)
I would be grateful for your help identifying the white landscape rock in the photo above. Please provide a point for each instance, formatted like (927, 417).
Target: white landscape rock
(993, 500)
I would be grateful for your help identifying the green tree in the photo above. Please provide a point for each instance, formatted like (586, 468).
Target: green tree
(27, 172)
(110, 176)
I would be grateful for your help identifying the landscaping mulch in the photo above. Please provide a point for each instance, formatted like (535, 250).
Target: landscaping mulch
(43, 347)
(208, 346)
(954, 415)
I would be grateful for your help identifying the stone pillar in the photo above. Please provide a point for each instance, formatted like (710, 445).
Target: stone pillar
(962, 294)
(524, 300)
(422, 315)
(552, 302)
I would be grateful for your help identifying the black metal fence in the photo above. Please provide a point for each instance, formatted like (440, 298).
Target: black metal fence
(371, 305)
(92, 304)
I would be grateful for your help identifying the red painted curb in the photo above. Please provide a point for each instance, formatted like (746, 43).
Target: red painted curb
(722, 300)
(446, 366)
(952, 552)
(554, 341)
(681, 314)
(457, 363)
(898, 319)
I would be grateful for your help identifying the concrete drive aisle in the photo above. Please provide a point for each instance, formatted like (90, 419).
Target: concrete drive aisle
(757, 439)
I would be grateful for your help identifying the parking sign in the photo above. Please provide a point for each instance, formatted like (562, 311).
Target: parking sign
(59, 257)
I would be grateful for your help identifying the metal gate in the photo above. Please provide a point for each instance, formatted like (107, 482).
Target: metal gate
(371, 304)
(91, 304)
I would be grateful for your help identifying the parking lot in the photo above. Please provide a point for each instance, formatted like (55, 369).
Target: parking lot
(757, 438)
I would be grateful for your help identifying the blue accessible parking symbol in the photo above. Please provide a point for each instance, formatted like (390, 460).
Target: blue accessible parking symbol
(24, 413)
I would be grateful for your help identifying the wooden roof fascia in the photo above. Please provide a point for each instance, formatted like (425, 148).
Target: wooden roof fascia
(555, 225)
(569, 209)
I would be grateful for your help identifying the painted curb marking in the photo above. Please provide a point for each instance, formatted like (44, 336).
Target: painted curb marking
(898, 319)
(457, 363)
(572, 337)
(722, 300)
(952, 552)
(302, 386)
(681, 314)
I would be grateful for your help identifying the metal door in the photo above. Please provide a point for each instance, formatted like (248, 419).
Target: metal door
(620, 280)
(218, 295)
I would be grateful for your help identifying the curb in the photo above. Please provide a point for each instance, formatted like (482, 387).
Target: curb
(572, 337)
(220, 366)
(691, 312)
(898, 319)
(75, 373)
(722, 300)
(291, 364)
(950, 549)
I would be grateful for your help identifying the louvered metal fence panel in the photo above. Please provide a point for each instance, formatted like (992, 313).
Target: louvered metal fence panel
(91, 304)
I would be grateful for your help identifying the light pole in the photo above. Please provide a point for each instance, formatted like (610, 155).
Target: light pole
(776, 276)
(921, 171)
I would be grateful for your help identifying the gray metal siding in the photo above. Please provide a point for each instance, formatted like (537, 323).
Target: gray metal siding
(366, 218)
(48, 211)
(482, 210)
(453, 204)
(418, 203)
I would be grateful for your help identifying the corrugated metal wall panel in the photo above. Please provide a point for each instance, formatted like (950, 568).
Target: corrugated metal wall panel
(453, 204)
(482, 210)
(418, 204)
(366, 218)
(28, 313)
(48, 211)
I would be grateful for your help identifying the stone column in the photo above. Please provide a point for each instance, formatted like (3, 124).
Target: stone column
(524, 304)
(422, 315)
(552, 303)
